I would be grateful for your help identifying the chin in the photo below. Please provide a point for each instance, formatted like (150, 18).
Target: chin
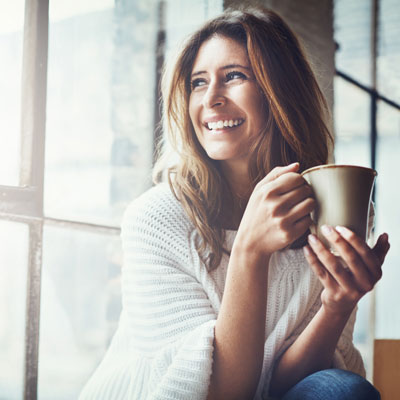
(221, 154)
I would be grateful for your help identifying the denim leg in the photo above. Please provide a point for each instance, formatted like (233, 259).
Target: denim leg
(333, 384)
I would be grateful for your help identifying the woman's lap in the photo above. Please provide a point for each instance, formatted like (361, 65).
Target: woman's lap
(333, 384)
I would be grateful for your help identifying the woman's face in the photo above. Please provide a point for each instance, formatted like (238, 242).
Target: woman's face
(226, 104)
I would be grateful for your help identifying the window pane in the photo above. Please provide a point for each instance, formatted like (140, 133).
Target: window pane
(183, 16)
(389, 49)
(80, 307)
(388, 217)
(352, 146)
(353, 36)
(13, 278)
(11, 28)
(352, 124)
(100, 107)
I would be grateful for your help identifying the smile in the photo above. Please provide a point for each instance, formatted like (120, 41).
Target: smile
(231, 123)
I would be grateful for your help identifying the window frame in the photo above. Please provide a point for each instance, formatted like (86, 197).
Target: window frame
(24, 203)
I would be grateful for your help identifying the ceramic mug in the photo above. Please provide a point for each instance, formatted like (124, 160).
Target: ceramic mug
(343, 194)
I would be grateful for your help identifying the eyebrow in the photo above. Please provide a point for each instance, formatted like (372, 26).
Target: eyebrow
(229, 66)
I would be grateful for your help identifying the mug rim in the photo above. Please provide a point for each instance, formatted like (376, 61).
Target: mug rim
(325, 166)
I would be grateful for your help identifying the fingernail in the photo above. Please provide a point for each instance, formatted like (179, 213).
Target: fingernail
(312, 238)
(341, 229)
(326, 230)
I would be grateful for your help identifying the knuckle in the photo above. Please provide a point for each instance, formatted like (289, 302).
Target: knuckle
(367, 286)
(336, 239)
(355, 295)
(337, 269)
(285, 236)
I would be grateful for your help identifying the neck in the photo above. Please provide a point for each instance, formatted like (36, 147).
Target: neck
(236, 201)
(239, 180)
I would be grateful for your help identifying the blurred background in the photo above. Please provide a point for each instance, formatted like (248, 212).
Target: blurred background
(78, 115)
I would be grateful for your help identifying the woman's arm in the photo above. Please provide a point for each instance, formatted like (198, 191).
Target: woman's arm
(240, 328)
(276, 215)
(343, 287)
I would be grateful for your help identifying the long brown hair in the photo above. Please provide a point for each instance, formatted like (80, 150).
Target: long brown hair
(296, 114)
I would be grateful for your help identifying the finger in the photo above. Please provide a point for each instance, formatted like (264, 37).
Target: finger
(364, 276)
(293, 188)
(289, 182)
(323, 275)
(301, 209)
(369, 257)
(381, 247)
(278, 171)
(331, 263)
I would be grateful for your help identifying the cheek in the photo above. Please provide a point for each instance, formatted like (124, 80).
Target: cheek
(260, 111)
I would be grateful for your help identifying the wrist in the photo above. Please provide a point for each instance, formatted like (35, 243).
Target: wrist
(249, 251)
(336, 315)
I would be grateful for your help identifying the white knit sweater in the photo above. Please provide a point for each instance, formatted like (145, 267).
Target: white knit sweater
(163, 347)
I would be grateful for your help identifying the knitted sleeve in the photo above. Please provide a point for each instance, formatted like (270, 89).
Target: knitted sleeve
(169, 317)
(163, 347)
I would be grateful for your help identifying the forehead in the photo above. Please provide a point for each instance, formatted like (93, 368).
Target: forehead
(218, 51)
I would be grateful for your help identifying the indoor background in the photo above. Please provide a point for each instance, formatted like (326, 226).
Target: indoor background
(78, 115)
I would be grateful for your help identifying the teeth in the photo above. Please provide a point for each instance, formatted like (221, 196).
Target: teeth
(224, 124)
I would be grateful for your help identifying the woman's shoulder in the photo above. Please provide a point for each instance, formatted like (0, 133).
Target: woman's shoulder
(156, 209)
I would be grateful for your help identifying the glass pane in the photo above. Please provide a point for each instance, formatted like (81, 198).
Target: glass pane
(14, 251)
(80, 307)
(11, 37)
(388, 217)
(389, 49)
(352, 146)
(100, 107)
(182, 17)
(352, 124)
(353, 35)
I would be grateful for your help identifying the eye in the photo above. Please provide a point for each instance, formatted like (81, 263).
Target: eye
(235, 75)
(197, 83)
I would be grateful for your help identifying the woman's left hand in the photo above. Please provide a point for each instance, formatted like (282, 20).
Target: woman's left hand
(351, 275)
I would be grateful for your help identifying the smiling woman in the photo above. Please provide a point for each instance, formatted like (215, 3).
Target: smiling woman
(219, 302)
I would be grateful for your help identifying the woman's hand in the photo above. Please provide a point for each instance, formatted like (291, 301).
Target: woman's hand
(278, 211)
(351, 275)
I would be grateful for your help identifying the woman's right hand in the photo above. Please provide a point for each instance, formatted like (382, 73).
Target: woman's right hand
(278, 211)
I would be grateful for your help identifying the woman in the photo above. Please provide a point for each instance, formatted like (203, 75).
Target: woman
(219, 301)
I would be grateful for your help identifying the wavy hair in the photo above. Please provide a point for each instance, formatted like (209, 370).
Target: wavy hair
(296, 115)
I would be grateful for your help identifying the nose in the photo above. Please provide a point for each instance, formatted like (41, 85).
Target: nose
(214, 97)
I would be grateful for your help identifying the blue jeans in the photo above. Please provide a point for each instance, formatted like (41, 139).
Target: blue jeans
(332, 384)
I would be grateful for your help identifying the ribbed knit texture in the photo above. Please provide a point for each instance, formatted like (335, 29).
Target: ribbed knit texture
(163, 347)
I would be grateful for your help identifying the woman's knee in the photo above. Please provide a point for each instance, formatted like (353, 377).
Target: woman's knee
(333, 384)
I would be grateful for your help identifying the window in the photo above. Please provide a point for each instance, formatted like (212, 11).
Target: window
(77, 146)
(367, 121)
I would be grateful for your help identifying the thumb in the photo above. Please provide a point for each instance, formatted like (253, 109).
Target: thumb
(382, 247)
